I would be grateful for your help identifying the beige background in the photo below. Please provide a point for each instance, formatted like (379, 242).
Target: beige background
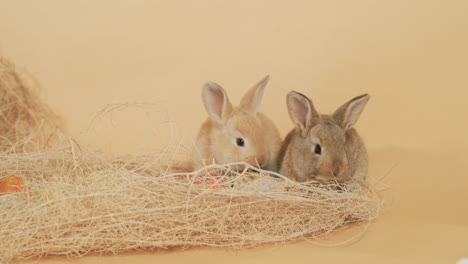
(411, 56)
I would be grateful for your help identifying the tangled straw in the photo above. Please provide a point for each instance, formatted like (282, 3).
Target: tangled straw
(83, 202)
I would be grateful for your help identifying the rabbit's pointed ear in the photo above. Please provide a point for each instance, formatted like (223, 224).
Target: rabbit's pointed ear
(302, 111)
(216, 102)
(348, 114)
(253, 97)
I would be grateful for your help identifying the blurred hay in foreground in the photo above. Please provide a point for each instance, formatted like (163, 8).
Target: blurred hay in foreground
(82, 202)
(23, 116)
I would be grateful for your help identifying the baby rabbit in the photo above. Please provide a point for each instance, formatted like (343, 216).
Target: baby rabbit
(233, 134)
(325, 148)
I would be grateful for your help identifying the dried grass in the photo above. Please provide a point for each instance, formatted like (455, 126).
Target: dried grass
(83, 202)
(26, 122)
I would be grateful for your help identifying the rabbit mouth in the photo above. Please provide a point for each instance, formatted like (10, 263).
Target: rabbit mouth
(320, 179)
(237, 167)
(251, 160)
(323, 179)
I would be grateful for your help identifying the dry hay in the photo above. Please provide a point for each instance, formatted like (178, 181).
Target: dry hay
(23, 115)
(83, 202)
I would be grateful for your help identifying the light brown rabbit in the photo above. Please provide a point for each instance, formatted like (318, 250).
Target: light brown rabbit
(324, 148)
(233, 134)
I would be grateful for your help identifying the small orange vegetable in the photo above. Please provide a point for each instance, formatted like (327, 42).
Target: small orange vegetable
(13, 184)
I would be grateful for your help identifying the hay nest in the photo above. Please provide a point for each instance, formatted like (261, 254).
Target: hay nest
(83, 202)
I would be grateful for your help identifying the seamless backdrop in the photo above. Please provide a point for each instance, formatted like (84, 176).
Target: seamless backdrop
(410, 56)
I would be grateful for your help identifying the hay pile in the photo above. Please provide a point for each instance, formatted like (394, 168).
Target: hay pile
(26, 123)
(82, 202)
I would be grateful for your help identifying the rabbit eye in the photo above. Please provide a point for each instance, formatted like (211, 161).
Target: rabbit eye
(318, 149)
(240, 142)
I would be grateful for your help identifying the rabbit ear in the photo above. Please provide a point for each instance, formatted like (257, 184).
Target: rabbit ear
(348, 114)
(216, 101)
(253, 97)
(302, 111)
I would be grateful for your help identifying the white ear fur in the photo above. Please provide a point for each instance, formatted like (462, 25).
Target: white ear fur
(352, 111)
(301, 111)
(253, 97)
(216, 101)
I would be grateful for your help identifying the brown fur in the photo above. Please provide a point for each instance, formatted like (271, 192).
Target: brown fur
(344, 156)
(216, 140)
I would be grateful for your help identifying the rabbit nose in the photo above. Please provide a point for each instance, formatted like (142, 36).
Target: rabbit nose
(339, 168)
(340, 171)
(261, 161)
(255, 161)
